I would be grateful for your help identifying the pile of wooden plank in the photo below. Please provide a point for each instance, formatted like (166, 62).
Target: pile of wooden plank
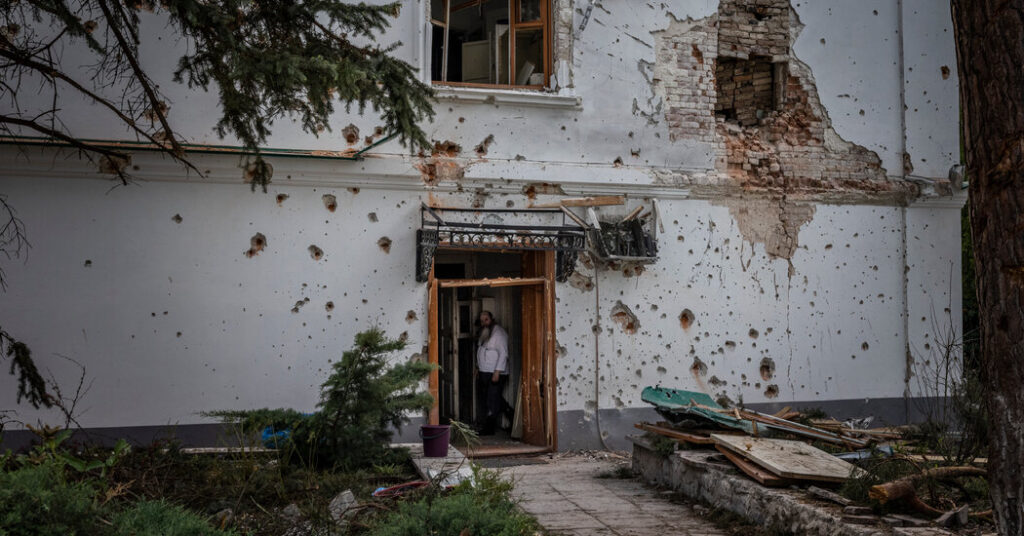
(771, 449)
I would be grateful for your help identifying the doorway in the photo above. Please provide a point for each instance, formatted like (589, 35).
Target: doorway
(518, 288)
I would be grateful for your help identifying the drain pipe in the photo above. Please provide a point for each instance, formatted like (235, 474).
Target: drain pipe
(597, 356)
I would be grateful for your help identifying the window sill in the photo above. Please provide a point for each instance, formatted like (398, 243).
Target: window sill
(513, 97)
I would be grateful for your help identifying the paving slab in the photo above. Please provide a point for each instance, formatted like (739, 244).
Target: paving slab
(568, 499)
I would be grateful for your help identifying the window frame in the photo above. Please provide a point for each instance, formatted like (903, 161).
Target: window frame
(544, 24)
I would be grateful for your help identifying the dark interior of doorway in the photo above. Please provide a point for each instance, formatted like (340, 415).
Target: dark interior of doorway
(458, 311)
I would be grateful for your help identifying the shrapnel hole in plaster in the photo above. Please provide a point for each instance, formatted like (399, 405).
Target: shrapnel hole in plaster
(686, 318)
(177, 218)
(315, 252)
(384, 244)
(256, 244)
(330, 202)
(624, 317)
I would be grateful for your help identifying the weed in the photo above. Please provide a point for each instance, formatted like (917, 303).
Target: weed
(622, 471)
(483, 506)
(661, 445)
(161, 518)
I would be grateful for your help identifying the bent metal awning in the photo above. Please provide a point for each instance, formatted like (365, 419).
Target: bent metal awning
(510, 229)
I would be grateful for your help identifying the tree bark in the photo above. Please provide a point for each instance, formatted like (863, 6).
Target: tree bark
(990, 57)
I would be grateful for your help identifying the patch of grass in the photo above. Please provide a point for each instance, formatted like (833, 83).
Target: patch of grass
(159, 518)
(622, 471)
(660, 444)
(482, 507)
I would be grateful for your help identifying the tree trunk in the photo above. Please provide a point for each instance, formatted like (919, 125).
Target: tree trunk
(990, 56)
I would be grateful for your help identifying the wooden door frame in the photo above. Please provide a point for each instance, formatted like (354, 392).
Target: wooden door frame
(547, 344)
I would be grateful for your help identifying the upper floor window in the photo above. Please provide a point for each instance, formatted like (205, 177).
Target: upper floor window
(491, 43)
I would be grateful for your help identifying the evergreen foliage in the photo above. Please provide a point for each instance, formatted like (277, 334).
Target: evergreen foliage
(265, 59)
(159, 518)
(38, 500)
(361, 402)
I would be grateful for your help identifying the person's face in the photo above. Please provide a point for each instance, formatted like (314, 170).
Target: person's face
(485, 320)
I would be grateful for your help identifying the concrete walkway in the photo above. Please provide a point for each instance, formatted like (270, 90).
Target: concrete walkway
(566, 496)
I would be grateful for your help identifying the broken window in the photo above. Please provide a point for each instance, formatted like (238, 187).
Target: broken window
(748, 89)
(490, 42)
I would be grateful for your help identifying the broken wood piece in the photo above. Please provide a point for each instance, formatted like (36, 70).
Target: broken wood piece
(782, 412)
(752, 470)
(579, 221)
(632, 214)
(593, 201)
(956, 517)
(788, 459)
(905, 488)
(796, 428)
(829, 495)
(674, 434)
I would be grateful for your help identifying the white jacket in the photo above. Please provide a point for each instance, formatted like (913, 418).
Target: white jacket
(493, 354)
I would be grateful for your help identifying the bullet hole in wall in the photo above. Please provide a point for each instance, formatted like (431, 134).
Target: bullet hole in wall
(410, 316)
(256, 244)
(299, 304)
(864, 346)
(330, 202)
(351, 134)
(281, 198)
(625, 318)
(354, 191)
(384, 244)
(767, 368)
(686, 318)
(88, 263)
(481, 149)
(698, 368)
(772, 391)
(945, 72)
(329, 306)
(315, 252)
(753, 333)
(176, 218)
(372, 217)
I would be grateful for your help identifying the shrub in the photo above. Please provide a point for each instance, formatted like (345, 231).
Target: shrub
(361, 402)
(158, 518)
(483, 507)
(36, 500)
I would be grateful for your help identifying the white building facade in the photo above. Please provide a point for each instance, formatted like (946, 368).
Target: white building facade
(791, 161)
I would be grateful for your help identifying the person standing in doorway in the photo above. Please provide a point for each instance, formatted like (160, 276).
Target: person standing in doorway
(492, 372)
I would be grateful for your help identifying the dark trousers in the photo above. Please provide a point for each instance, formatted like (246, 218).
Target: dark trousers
(490, 401)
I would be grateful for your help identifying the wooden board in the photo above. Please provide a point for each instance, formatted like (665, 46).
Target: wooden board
(675, 434)
(788, 459)
(752, 470)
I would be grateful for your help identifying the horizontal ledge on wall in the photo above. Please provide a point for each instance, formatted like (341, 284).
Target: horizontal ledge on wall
(512, 97)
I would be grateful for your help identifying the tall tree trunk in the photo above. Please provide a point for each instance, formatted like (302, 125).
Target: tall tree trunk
(990, 57)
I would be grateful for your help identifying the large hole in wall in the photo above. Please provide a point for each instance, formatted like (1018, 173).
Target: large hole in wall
(748, 89)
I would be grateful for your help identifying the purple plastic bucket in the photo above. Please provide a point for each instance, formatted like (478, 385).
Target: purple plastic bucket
(435, 440)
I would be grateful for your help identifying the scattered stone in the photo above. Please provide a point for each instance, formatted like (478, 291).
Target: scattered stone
(912, 521)
(858, 511)
(893, 521)
(341, 507)
(291, 511)
(920, 531)
(860, 520)
(955, 517)
(829, 495)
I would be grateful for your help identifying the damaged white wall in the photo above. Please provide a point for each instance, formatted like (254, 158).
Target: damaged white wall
(806, 286)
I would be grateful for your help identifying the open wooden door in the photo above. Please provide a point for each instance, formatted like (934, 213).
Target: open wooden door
(540, 426)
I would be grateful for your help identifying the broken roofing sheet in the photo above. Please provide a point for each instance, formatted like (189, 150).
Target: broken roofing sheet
(677, 405)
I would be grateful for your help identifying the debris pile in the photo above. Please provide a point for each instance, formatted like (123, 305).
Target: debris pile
(791, 449)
